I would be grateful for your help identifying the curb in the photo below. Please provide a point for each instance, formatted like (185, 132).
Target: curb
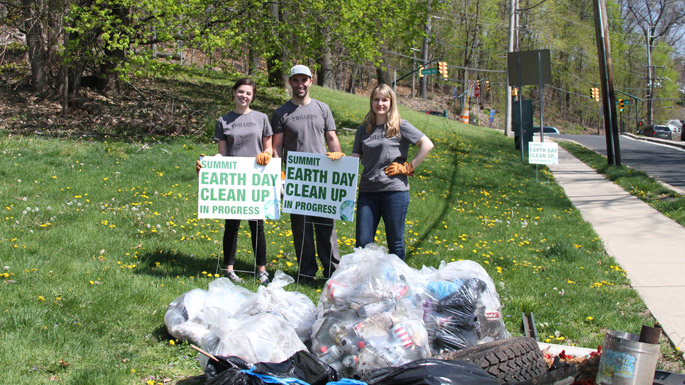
(668, 142)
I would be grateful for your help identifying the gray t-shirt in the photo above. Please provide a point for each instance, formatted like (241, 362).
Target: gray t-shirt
(243, 133)
(303, 127)
(377, 152)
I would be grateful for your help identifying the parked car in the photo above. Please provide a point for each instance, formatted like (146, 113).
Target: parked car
(547, 130)
(656, 131)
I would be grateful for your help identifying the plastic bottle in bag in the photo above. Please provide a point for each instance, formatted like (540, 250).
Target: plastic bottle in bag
(350, 362)
(322, 337)
(402, 336)
(331, 354)
(374, 308)
(377, 325)
(350, 344)
(337, 291)
(429, 316)
(399, 289)
(338, 331)
(378, 356)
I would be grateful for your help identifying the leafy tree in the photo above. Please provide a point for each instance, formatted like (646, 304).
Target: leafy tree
(658, 21)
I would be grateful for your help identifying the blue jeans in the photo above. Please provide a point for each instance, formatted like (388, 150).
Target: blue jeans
(392, 206)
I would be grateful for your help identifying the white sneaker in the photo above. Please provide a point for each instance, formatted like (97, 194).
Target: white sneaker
(263, 277)
(233, 276)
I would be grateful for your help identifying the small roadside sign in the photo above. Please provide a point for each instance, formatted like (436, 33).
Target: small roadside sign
(543, 153)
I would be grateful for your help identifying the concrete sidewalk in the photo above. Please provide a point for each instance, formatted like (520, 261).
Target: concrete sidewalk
(649, 246)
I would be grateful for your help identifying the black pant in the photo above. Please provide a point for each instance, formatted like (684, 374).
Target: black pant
(303, 227)
(231, 240)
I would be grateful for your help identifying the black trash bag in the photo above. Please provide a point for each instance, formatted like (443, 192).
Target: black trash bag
(431, 372)
(302, 365)
(231, 362)
(232, 376)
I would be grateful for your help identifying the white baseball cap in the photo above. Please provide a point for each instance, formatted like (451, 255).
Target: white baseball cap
(300, 70)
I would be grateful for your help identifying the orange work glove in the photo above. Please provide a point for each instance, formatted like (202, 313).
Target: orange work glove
(335, 155)
(399, 169)
(198, 164)
(263, 158)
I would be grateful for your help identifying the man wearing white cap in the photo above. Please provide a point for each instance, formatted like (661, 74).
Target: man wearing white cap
(306, 125)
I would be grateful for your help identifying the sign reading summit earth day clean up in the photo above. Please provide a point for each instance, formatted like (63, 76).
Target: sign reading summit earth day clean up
(543, 153)
(238, 188)
(318, 186)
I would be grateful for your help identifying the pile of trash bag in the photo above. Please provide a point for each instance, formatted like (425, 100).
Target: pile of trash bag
(267, 326)
(375, 312)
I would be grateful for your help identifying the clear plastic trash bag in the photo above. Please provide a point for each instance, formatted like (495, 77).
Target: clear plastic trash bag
(461, 307)
(294, 306)
(264, 337)
(191, 314)
(369, 314)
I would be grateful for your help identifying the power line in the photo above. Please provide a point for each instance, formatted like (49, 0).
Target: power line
(529, 8)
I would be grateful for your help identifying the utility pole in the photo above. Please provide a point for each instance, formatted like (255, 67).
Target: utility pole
(650, 77)
(607, 82)
(423, 82)
(513, 6)
(413, 75)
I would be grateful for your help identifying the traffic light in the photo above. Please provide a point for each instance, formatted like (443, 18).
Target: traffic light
(442, 69)
(514, 91)
(620, 105)
(420, 71)
(487, 87)
(594, 92)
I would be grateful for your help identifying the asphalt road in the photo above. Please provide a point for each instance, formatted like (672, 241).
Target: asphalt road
(661, 162)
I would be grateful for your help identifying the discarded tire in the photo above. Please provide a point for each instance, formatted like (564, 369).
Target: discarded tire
(513, 359)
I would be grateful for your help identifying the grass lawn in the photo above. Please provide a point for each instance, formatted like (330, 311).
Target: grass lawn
(98, 236)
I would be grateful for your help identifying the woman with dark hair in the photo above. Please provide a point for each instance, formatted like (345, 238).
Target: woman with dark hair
(247, 133)
(382, 142)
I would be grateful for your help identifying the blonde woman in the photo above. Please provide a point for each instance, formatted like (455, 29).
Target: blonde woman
(382, 142)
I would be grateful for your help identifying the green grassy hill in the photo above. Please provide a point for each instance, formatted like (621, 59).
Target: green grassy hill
(97, 237)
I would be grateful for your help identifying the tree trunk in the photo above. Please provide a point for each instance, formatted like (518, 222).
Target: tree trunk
(274, 63)
(253, 62)
(325, 60)
(353, 77)
(35, 43)
(109, 70)
(382, 75)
